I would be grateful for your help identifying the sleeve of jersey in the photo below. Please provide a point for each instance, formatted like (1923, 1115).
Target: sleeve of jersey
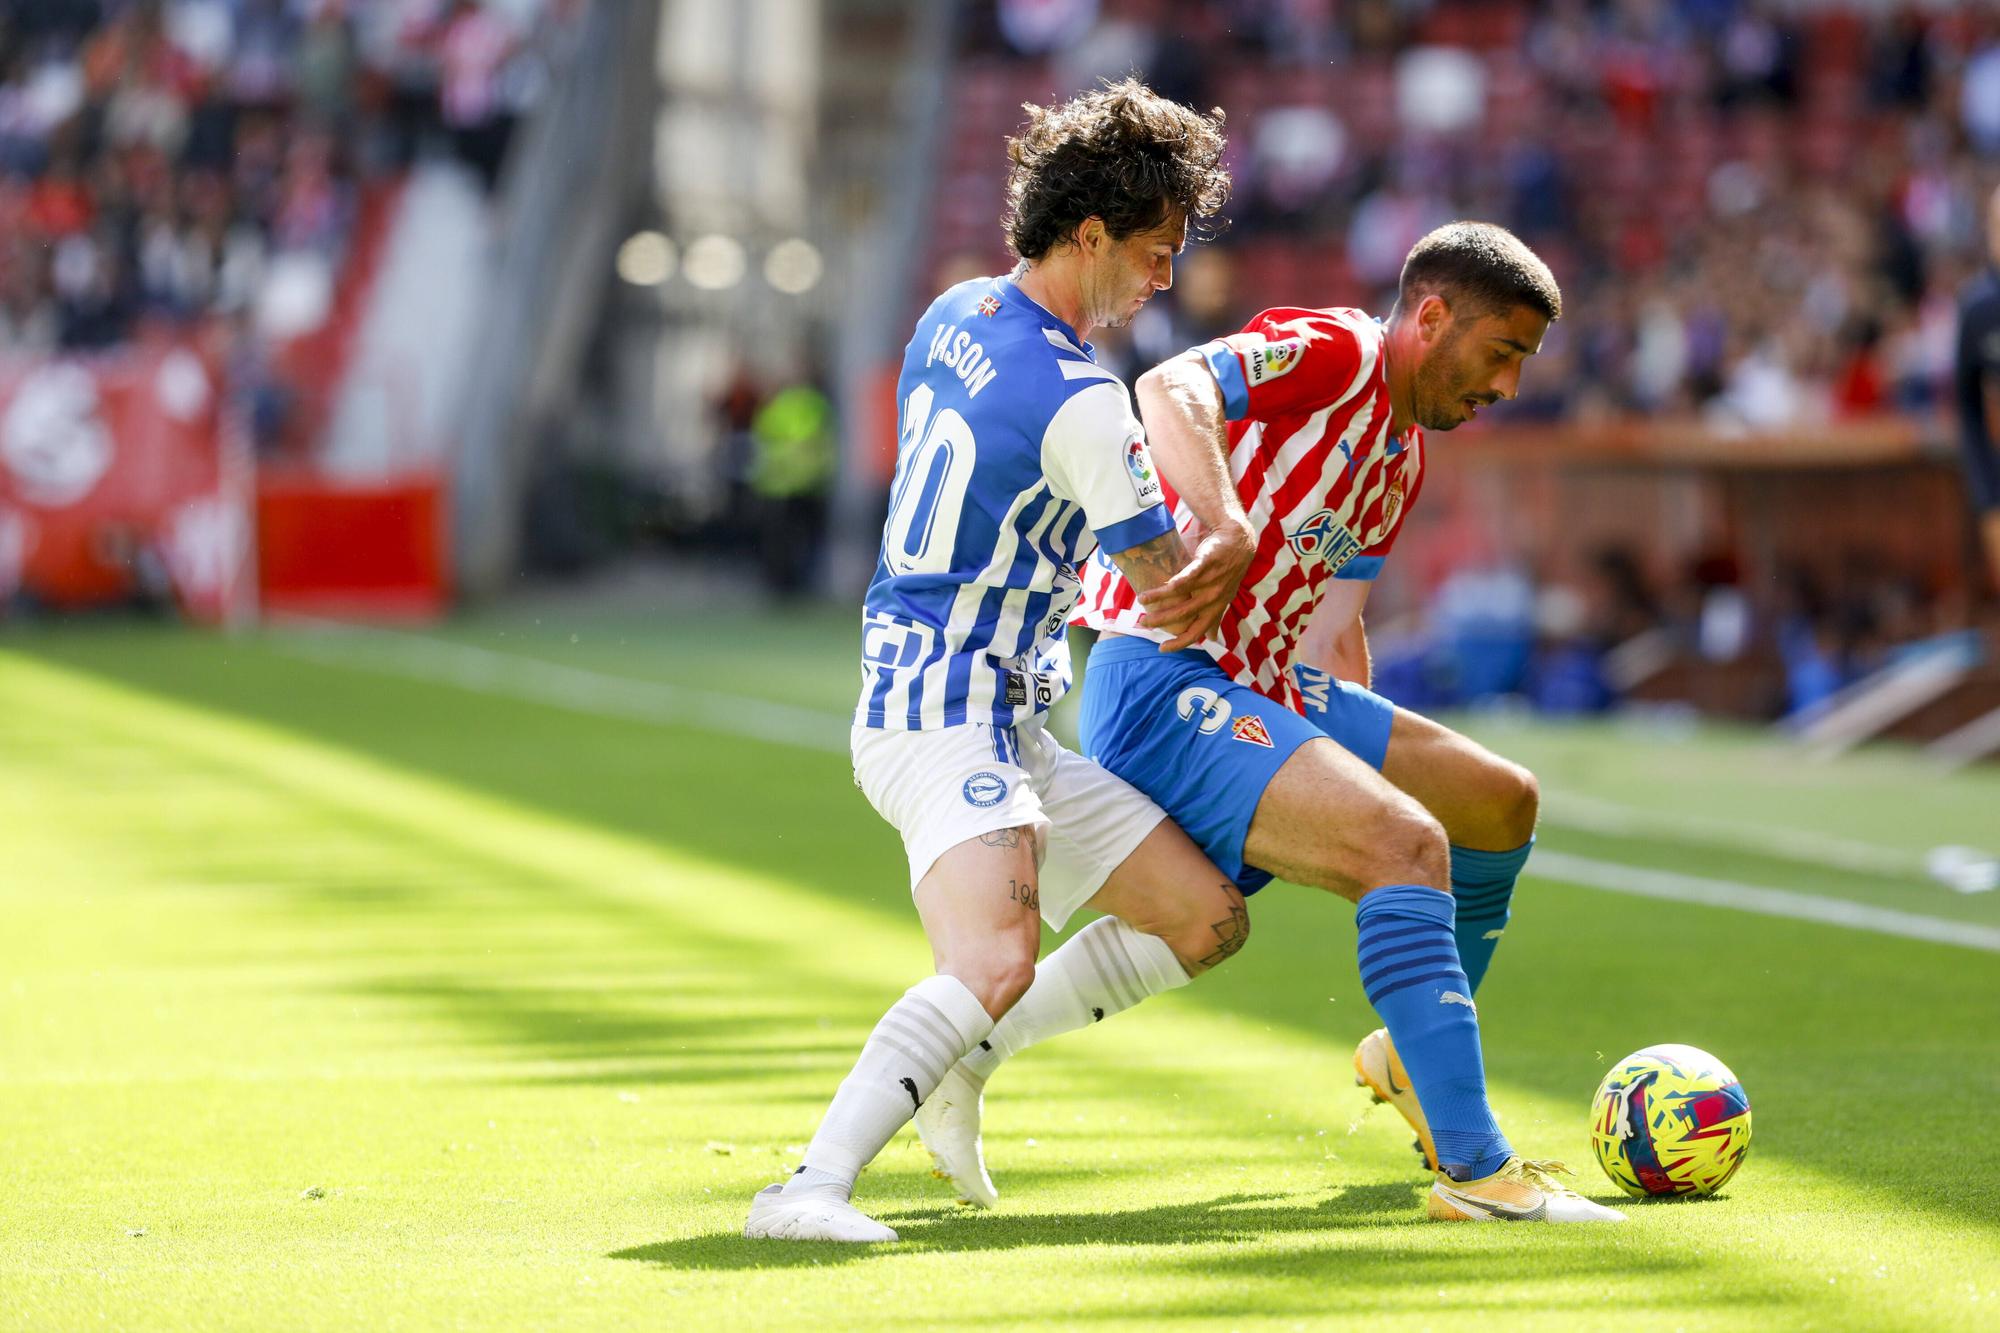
(1094, 454)
(1287, 362)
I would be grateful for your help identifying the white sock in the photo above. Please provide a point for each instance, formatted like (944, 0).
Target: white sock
(921, 1037)
(1104, 968)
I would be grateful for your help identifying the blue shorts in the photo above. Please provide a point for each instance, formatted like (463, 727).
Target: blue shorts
(1175, 726)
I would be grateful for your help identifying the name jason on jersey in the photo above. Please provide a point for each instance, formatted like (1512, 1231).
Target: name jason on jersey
(967, 359)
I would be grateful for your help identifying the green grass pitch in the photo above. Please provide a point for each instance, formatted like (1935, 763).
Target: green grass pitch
(478, 978)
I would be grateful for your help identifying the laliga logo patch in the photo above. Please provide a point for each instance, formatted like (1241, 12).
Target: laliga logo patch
(985, 790)
(1139, 463)
(1270, 360)
(1136, 461)
(1250, 728)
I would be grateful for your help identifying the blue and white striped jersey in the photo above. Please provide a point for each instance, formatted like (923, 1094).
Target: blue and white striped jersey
(1018, 456)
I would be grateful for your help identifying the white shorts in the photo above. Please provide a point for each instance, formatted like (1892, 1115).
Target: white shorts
(941, 788)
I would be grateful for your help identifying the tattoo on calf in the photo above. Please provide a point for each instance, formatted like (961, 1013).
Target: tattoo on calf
(1229, 933)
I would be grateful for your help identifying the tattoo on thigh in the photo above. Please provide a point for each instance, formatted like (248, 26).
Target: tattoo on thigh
(1024, 893)
(1002, 837)
(1230, 932)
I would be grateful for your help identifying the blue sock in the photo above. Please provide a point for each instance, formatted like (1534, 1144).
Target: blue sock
(1410, 971)
(1482, 883)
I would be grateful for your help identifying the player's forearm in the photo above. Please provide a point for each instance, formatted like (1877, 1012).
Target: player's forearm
(1150, 564)
(1341, 651)
(1351, 661)
(1181, 405)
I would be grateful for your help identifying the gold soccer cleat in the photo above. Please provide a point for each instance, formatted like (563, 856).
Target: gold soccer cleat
(1520, 1191)
(1377, 1068)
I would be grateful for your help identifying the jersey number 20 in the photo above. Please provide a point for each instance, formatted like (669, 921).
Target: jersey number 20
(931, 477)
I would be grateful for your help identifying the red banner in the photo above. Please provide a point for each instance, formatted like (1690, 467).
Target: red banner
(115, 486)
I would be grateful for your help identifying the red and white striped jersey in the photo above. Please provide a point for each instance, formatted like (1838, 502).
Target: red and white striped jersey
(1323, 482)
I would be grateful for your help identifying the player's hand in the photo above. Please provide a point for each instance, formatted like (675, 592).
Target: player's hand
(1190, 604)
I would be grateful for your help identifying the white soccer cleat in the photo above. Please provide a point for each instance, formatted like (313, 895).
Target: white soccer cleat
(948, 1123)
(774, 1215)
(1520, 1191)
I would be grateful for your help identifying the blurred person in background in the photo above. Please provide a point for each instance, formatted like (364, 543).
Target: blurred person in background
(1264, 740)
(1977, 398)
(791, 469)
(1019, 456)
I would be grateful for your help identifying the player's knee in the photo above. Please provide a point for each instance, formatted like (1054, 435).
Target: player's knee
(997, 982)
(1407, 846)
(1517, 803)
(1209, 931)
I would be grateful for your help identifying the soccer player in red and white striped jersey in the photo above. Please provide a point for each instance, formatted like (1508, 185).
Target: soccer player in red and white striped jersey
(1299, 443)
(1320, 468)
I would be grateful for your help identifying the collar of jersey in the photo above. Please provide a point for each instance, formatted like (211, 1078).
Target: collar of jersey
(1011, 292)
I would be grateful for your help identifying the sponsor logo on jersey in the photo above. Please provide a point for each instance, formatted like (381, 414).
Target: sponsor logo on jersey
(985, 790)
(1267, 361)
(1139, 463)
(1250, 728)
(1199, 699)
(989, 306)
(1322, 538)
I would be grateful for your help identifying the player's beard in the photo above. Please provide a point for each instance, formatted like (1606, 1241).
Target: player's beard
(1124, 314)
(1439, 396)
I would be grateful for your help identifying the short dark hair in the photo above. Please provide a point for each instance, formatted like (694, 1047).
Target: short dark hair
(1478, 269)
(1122, 153)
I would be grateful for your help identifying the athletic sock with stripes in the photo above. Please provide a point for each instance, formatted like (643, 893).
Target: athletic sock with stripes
(1411, 974)
(1102, 969)
(1482, 883)
(921, 1037)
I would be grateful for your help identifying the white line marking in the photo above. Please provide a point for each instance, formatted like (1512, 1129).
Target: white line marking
(1975, 740)
(486, 671)
(1614, 878)
(1594, 816)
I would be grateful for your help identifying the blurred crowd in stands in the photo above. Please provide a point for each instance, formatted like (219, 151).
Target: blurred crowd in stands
(1760, 212)
(1762, 215)
(1614, 631)
(199, 164)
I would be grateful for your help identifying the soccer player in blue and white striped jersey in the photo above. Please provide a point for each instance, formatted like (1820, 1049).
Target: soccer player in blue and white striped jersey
(1019, 456)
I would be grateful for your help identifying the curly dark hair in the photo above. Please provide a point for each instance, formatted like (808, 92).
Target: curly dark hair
(1487, 267)
(1123, 154)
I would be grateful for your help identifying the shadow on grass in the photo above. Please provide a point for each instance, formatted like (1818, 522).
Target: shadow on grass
(1229, 1218)
(793, 815)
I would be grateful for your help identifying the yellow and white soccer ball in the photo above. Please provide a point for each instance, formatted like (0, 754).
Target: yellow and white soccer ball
(1670, 1120)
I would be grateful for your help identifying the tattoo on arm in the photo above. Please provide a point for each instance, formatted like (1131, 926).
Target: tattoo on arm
(1230, 932)
(1024, 893)
(1149, 564)
(1002, 837)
